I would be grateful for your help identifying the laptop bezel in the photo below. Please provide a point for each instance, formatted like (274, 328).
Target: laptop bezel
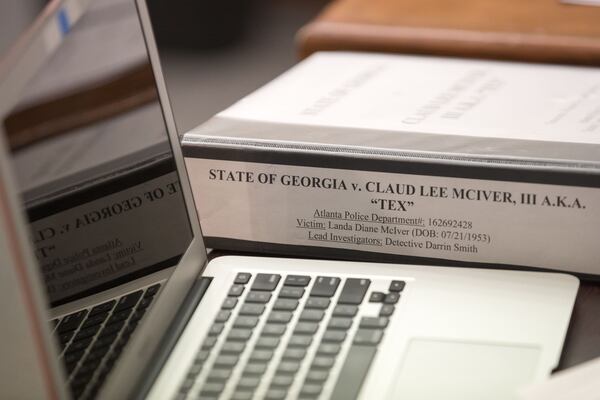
(128, 373)
(32, 292)
(17, 69)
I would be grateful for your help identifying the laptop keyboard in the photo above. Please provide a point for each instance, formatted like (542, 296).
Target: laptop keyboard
(269, 338)
(92, 339)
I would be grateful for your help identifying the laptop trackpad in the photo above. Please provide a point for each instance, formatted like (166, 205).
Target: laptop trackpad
(436, 369)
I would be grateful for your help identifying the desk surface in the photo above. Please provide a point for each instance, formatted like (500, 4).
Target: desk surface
(532, 30)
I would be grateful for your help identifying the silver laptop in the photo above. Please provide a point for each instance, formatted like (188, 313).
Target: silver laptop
(136, 310)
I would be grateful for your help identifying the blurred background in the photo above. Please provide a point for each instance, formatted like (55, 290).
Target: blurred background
(213, 52)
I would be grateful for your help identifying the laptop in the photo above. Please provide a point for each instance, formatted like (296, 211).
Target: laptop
(115, 259)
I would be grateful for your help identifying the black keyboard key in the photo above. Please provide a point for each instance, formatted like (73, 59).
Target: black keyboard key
(276, 394)
(212, 388)
(130, 327)
(138, 314)
(252, 309)
(329, 349)
(323, 362)
(368, 337)
(342, 310)
(340, 323)
(320, 375)
(294, 353)
(279, 317)
(300, 341)
(245, 321)
(65, 338)
(216, 329)
(201, 356)
(70, 367)
(223, 316)
(236, 290)
(311, 390)
(152, 290)
(386, 310)
(267, 342)
(144, 303)
(209, 343)
(218, 375)
(236, 334)
(261, 356)
(87, 332)
(273, 330)
(374, 322)
(86, 370)
(291, 292)
(242, 278)
(226, 360)
(283, 380)
(73, 357)
(317, 302)
(258, 297)
(306, 328)
(128, 301)
(312, 315)
(353, 373)
(119, 316)
(249, 382)
(334, 336)
(186, 385)
(95, 320)
(285, 304)
(71, 321)
(233, 347)
(255, 369)
(194, 371)
(112, 358)
(354, 291)
(377, 297)
(297, 280)
(104, 341)
(103, 308)
(266, 282)
(391, 298)
(288, 367)
(123, 339)
(77, 388)
(95, 388)
(229, 303)
(75, 347)
(397, 286)
(325, 286)
(242, 395)
(97, 353)
(113, 328)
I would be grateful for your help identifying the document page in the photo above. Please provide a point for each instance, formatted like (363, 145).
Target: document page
(432, 95)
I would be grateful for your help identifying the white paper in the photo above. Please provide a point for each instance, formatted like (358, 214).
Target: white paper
(578, 383)
(583, 2)
(432, 95)
(473, 220)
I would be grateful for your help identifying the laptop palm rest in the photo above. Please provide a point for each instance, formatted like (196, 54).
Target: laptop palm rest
(453, 370)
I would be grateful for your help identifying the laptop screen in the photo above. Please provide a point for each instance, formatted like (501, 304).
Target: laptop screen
(92, 158)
